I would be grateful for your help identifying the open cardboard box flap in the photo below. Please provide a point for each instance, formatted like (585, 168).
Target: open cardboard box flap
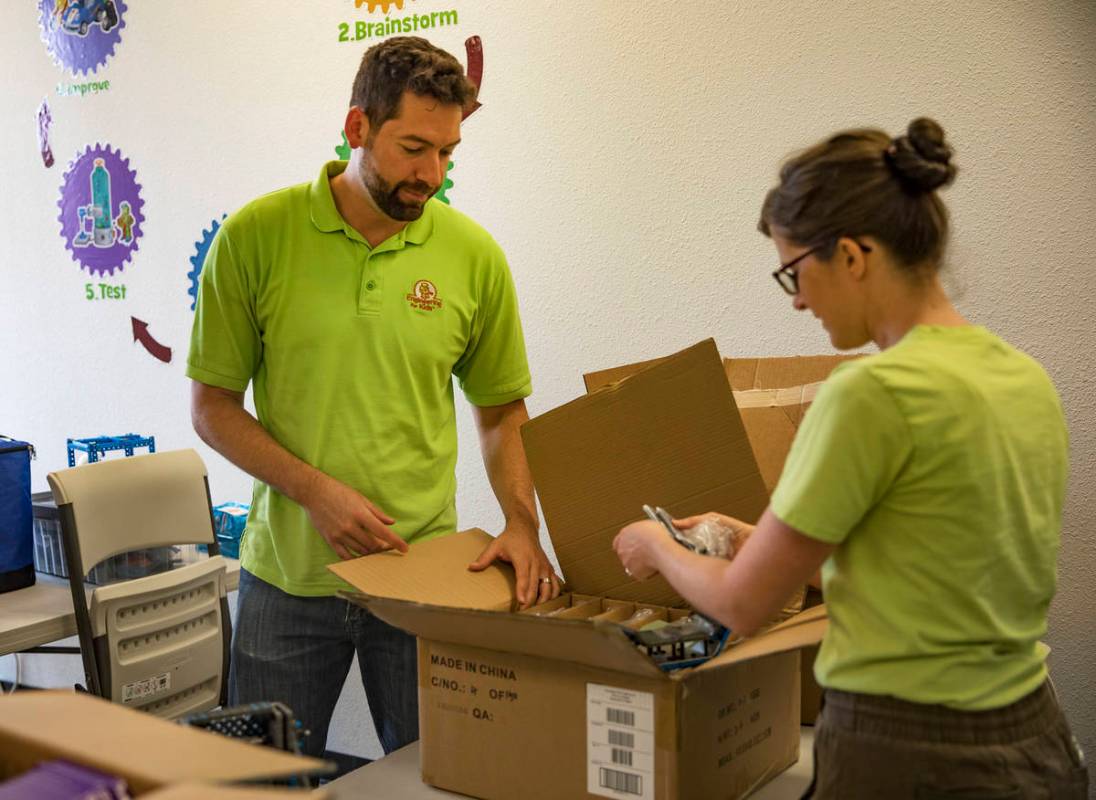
(668, 435)
(147, 751)
(435, 572)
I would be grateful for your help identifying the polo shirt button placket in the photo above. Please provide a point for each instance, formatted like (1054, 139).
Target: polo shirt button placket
(370, 295)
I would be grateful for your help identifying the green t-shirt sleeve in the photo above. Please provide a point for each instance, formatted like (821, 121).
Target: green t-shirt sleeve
(851, 446)
(225, 342)
(494, 369)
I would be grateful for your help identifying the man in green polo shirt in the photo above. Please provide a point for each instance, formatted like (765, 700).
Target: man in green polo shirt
(350, 303)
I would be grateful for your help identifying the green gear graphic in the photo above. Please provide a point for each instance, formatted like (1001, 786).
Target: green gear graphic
(343, 150)
(446, 185)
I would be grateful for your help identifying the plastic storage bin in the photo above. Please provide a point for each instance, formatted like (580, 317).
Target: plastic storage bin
(49, 551)
(230, 520)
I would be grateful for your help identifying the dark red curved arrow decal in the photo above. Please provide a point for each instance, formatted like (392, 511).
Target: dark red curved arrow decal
(473, 47)
(141, 334)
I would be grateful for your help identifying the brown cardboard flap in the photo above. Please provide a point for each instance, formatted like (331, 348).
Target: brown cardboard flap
(780, 373)
(804, 629)
(603, 377)
(434, 572)
(742, 373)
(203, 791)
(670, 435)
(597, 644)
(147, 751)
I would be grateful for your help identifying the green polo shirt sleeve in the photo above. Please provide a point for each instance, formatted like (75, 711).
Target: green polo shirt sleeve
(852, 444)
(225, 342)
(493, 369)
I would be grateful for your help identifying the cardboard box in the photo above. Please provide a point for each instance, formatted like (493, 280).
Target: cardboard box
(541, 707)
(149, 752)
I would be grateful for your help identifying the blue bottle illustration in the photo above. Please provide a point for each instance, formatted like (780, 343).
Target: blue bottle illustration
(102, 211)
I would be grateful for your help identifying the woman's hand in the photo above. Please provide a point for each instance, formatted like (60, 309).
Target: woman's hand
(741, 531)
(637, 547)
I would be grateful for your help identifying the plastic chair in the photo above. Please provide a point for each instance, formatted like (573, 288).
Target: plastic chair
(158, 643)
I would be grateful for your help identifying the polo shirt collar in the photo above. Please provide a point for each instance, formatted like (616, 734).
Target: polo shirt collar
(326, 216)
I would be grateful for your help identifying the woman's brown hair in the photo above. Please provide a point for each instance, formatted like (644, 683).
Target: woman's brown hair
(864, 183)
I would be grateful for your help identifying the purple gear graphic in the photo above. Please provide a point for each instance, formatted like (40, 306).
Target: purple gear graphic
(83, 35)
(197, 261)
(99, 258)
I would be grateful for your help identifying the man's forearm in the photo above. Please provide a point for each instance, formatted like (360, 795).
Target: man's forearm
(226, 426)
(504, 460)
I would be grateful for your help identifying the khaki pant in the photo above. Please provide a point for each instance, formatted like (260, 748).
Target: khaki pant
(867, 746)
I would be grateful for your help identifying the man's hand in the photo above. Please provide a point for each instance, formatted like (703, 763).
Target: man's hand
(519, 547)
(348, 521)
(637, 547)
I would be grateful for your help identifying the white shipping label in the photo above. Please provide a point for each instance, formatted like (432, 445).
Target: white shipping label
(620, 742)
(139, 690)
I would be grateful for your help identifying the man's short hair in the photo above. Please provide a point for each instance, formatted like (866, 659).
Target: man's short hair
(407, 63)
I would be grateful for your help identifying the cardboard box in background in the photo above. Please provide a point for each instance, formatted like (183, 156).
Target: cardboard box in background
(514, 705)
(149, 752)
(772, 395)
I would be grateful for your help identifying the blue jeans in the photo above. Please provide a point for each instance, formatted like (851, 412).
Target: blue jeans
(298, 650)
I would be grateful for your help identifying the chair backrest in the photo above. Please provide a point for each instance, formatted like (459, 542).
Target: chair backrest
(158, 642)
(154, 500)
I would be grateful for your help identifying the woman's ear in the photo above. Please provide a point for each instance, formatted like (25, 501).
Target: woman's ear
(850, 256)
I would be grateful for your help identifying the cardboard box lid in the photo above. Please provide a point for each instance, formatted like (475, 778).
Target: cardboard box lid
(597, 644)
(667, 435)
(434, 572)
(147, 751)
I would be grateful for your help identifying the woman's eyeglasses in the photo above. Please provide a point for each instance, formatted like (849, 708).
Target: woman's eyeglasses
(788, 277)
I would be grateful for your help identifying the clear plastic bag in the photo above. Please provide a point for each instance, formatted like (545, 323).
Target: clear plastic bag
(711, 537)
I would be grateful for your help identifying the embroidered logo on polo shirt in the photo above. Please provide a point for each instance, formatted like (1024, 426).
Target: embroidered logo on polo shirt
(424, 296)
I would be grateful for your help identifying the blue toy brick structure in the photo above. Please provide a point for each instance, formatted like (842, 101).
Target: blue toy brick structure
(97, 446)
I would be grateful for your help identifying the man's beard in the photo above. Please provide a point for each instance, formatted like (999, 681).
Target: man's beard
(386, 195)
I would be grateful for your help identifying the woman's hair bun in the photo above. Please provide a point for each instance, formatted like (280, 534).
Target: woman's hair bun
(921, 159)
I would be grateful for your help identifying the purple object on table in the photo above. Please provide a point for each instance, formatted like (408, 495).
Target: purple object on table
(63, 780)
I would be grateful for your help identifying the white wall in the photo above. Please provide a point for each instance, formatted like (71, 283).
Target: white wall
(620, 159)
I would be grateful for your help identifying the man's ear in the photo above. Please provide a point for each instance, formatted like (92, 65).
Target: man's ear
(850, 256)
(356, 127)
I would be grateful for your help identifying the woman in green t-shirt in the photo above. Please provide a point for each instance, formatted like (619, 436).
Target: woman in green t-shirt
(924, 492)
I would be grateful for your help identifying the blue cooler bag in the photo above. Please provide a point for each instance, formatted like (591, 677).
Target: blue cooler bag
(16, 521)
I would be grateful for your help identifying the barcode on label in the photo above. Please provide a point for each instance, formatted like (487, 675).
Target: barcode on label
(621, 781)
(622, 738)
(622, 757)
(620, 717)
